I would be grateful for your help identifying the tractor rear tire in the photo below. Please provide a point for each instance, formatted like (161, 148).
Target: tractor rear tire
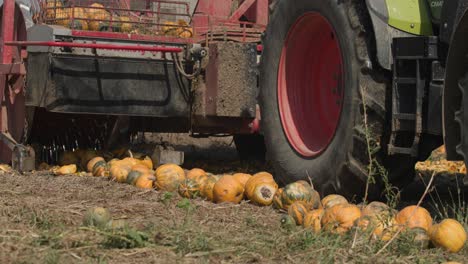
(315, 79)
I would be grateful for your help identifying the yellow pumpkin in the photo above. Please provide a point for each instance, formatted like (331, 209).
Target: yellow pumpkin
(298, 211)
(189, 189)
(169, 176)
(449, 235)
(340, 218)
(65, 170)
(300, 191)
(147, 162)
(313, 220)
(98, 18)
(170, 28)
(145, 181)
(242, 178)
(227, 189)
(261, 188)
(277, 199)
(207, 188)
(414, 216)
(332, 200)
(125, 27)
(119, 173)
(52, 8)
(92, 162)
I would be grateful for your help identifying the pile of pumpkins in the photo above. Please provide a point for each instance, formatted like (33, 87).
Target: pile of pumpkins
(91, 18)
(335, 214)
(303, 204)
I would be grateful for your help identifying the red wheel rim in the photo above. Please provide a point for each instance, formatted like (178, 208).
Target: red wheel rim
(310, 84)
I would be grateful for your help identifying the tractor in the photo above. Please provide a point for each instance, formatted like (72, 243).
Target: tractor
(337, 91)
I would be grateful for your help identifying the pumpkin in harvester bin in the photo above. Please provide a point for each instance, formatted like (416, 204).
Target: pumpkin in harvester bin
(449, 235)
(228, 190)
(261, 188)
(97, 16)
(125, 27)
(169, 177)
(52, 7)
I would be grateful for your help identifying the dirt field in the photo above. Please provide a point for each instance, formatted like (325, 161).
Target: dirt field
(41, 219)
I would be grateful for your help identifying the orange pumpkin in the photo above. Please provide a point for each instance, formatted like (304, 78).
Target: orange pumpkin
(195, 173)
(414, 216)
(145, 181)
(207, 187)
(169, 176)
(340, 218)
(449, 235)
(119, 173)
(313, 220)
(53, 7)
(147, 162)
(332, 200)
(261, 188)
(65, 170)
(378, 217)
(298, 211)
(242, 178)
(228, 189)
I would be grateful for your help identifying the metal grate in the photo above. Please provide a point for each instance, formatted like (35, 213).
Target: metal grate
(145, 17)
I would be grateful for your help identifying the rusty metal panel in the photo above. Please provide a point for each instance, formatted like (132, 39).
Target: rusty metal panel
(229, 86)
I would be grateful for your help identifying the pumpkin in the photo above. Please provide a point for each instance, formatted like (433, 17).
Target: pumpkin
(378, 217)
(125, 27)
(242, 178)
(340, 218)
(228, 189)
(277, 200)
(419, 237)
(132, 177)
(100, 169)
(92, 162)
(189, 189)
(313, 220)
(64, 170)
(148, 162)
(298, 211)
(53, 7)
(169, 176)
(170, 28)
(97, 216)
(449, 234)
(195, 173)
(260, 188)
(207, 188)
(287, 222)
(414, 216)
(298, 191)
(145, 181)
(332, 200)
(98, 18)
(119, 173)
(116, 224)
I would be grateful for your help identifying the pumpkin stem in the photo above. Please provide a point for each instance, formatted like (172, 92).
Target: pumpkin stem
(266, 192)
(130, 153)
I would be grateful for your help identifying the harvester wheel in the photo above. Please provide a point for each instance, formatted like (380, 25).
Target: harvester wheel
(323, 106)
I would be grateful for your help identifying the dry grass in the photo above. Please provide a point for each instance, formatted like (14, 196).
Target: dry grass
(41, 218)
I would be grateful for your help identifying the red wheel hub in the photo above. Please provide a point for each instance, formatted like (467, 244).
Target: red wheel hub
(310, 84)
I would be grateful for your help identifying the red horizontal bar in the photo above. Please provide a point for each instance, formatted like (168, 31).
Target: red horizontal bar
(126, 36)
(94, 46)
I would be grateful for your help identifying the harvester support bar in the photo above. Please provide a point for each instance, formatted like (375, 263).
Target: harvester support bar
(94, 46)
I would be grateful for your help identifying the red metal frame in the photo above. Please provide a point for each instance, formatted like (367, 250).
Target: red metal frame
(94, 46)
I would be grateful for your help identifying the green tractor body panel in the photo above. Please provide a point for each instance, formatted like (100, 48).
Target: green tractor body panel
(412, 16)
